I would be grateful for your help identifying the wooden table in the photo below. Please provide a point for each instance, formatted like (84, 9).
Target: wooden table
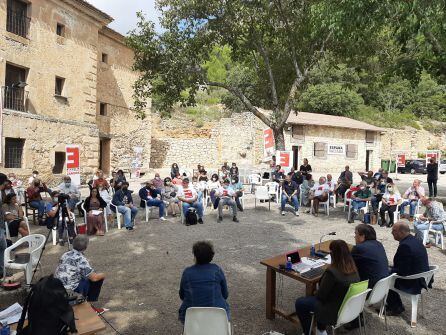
(272, 267)
(87, 321)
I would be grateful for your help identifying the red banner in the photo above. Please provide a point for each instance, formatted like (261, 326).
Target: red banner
(73, 163)
(430, 155)
(285, 159)
(401, 160)
(268, 142)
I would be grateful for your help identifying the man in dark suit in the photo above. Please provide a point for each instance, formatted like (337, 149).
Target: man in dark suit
(369, 255)
(410, 258)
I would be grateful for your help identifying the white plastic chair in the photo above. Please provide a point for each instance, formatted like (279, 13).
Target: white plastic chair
(364, 209)
(254, 180)
(35, 245)
(273, 190)
(396, 214)
(438, 234)
(119, 218)
(206, 321)
(351, 310)
(332, 199)
(148, 209)
(301, 193)
(326, 205)
(347, 201)
(262, 194)
(15, 238)
(85, 216)
(379, 295)
(427, 276)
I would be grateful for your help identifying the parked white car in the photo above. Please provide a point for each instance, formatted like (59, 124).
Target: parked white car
(442, 166)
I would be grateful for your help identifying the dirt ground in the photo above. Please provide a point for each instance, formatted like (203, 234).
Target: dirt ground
(144, 268)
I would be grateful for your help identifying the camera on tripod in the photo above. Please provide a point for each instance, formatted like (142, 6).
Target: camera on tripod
(62, 199)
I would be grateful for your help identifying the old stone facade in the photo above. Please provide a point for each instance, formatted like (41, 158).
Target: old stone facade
(66, 79)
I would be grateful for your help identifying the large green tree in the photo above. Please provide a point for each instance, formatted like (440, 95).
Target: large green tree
(272, 46)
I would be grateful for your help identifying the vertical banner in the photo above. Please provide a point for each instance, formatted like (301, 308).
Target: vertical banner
(1, 126)
(401, 160)
(137, 161)
(268, 143)
(285, 160)
(73, 163)
(430, 155)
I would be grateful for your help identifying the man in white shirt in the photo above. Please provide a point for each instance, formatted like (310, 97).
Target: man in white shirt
(319, 193)
(390, 201)
(226, 195)
(411, 197)
(70, 189)
(189, 197)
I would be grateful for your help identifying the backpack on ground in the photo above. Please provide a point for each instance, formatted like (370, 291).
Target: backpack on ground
(191, 217)
(48, 308)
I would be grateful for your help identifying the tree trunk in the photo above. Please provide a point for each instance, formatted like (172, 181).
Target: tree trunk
(279, 138)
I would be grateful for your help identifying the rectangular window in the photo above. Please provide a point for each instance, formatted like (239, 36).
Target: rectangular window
(60, 29)
(59, 86)
(14, 94)
(320, 149)
(14, 152)
(369, 136)
(59, 162)
(102, 109)
(298, 133)
(17, 21)
(104, 58)
(351, 151)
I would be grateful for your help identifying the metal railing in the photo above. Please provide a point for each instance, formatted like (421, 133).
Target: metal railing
(17, 23)
(14, 98)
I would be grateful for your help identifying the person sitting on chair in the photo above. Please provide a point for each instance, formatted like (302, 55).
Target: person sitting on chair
(289, 195)
(158, 182)
(101, 181)
(434, 215)
(410, 258)
(225, 193)
(278, 175)
(319, 193)
(345, 181)
(411, 197)
(203, 284)
(305, 168)
(70, 189)
(76, 273)
(359, 200)
(237, 186)
(95, 220)
(55, 218)
(212, 186)
(35, 199)
(169, 195)
(14, 216)
(333, 287)
(152, 197)
(124, 202)
(233, 170)
(188, 195)
(390, 201)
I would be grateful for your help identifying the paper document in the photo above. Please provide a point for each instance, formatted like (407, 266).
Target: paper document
(11, 314)
(96, 212)
(313, 263)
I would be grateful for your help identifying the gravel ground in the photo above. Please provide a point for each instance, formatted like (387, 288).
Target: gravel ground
(144, 268)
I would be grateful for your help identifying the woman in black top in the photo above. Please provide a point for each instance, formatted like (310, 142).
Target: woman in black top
(333, 287)
(174, 170)
(432, 177)
(305, 168)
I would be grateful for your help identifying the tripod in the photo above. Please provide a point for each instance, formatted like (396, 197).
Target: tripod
(64, 223)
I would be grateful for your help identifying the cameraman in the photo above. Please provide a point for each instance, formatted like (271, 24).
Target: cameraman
(56, 210)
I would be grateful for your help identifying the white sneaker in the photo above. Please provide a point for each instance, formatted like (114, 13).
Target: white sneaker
(296, 213)
(283, 212)
(163, 218)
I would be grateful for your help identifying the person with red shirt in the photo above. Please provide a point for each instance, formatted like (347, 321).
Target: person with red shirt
(189, 197)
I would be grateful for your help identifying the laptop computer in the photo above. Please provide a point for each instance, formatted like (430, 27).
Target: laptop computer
(295, 257)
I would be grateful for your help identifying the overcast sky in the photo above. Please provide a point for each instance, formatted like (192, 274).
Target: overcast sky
(124, 12)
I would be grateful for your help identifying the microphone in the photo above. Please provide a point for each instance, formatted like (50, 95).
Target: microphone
(320, 240)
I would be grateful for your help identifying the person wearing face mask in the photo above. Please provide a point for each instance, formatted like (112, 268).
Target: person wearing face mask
(237, 186)
(226, 193)
(70, 189)
(212, 186)
(35, 199)
(169, 195)
(35, 175)
(359, 200)
(157, 182)
(122, 199)
(100, 181)
(152, 197)
(390, 201)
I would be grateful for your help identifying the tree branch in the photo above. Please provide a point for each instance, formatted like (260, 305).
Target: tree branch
(272, 82)
(239, 94)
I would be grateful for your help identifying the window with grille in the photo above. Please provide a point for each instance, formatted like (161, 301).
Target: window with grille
(59, 162)
(351, 151)
(320, 149)
(59, 86)
(17, 21)
(14, 152)
(369, 136)
(298, 133)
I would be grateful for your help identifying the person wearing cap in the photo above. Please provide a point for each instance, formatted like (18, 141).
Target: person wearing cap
(152, 197)
(189, 197)
(226, 194)
(359, 200)
(122, 199)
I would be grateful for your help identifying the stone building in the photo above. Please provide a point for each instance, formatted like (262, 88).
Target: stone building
(66, 79)
(331, 142)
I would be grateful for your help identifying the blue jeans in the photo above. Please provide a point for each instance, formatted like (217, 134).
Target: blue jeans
(421, 226)
(3, 246)
(72, 203)
(157, 203)
(357, 204)
(304, 308)
(198, 205)
(129, 215)
(39, 205)
(294, 200)
(413, 206)
(89, 289)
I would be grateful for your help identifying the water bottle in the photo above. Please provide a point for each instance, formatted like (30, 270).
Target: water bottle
(289, 265)
(5, 330)
(312, 250)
